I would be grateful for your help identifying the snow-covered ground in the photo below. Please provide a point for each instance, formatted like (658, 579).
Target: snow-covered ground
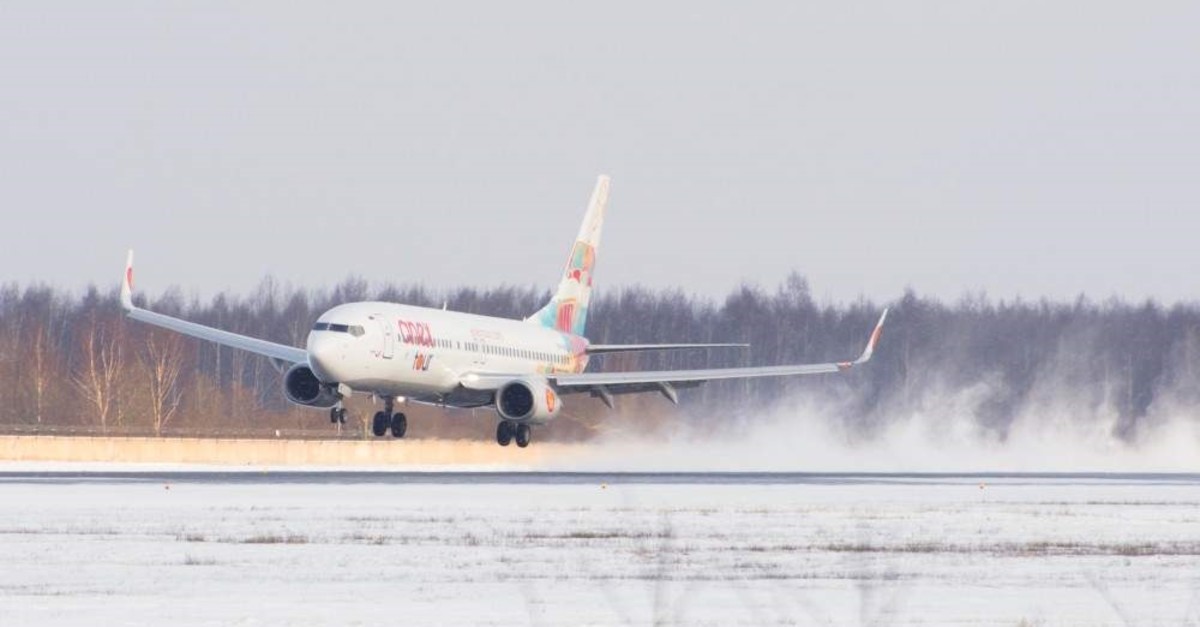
(877, 552)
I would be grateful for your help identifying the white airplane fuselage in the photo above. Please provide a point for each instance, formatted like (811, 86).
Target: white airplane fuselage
(404, 351)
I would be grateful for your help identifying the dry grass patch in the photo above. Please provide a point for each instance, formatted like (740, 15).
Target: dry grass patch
(276, 539)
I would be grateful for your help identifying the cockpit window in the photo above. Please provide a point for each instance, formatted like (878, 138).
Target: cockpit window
(355, 329)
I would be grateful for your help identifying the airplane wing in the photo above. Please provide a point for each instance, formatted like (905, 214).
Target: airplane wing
(277, 352)
(601, 349)
(607, 384)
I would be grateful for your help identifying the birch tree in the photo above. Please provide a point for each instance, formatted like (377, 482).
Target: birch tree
(97, 373)
(162, 356)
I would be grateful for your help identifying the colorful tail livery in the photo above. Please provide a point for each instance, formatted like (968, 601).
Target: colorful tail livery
(567, 310)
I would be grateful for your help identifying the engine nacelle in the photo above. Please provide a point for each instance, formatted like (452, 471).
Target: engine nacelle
(302, 387)
(528, 400)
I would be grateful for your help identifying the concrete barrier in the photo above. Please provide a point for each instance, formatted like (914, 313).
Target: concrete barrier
(256, 452)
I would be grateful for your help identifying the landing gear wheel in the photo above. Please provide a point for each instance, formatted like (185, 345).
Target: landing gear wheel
(333, 415)
(337, 415)
(523, 435)
(399, 425)
(379, 425)
(504, 433)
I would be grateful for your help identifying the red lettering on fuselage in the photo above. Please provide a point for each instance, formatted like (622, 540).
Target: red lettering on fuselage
(417, 333)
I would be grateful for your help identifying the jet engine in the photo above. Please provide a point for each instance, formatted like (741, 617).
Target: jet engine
(528, 400)
(302, 387)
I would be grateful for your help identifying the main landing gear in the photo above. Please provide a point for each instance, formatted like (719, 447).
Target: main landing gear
(507, 431)
(337, 414)
(389, 419)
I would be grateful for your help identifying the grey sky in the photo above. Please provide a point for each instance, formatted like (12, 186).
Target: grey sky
(1033, 148)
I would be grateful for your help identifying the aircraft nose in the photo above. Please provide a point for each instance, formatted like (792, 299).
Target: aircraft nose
(324, 353)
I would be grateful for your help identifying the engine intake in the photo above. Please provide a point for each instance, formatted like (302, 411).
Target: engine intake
(302, 387)
(527, 400)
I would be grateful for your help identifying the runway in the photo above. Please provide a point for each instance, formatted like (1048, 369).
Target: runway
(268, 476)
(284, 546)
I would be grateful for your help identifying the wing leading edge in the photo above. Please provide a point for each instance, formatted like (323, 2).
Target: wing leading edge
(276, 352)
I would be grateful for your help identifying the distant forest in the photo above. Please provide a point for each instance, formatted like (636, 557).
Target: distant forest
(73, 364)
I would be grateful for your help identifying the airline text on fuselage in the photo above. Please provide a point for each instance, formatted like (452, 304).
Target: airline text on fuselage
(417, 333)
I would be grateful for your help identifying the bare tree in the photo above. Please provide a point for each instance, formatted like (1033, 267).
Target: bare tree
(9, 366)
(162, 357)
(97, 374)
(42, 362)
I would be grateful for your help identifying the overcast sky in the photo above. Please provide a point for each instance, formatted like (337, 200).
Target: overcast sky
(1031, 148)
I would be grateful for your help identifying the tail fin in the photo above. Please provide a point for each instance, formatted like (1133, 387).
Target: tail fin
(567, 310)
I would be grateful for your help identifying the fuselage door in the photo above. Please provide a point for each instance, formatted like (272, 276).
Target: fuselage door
(479, 359)
(389, 337)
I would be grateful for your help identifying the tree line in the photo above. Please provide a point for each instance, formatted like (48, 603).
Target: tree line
(72, 363)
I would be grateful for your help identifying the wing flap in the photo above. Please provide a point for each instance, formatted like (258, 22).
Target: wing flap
(601, 349)
(627, 382)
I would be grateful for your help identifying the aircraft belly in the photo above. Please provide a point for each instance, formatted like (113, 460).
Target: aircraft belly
(398, 388)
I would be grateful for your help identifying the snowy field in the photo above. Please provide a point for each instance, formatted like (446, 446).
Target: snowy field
(559, 550)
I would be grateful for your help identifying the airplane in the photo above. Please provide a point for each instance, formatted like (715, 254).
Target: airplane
(522, 368)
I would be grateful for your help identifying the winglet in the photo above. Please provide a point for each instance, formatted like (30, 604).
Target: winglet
(127, 284)
(875, 335)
